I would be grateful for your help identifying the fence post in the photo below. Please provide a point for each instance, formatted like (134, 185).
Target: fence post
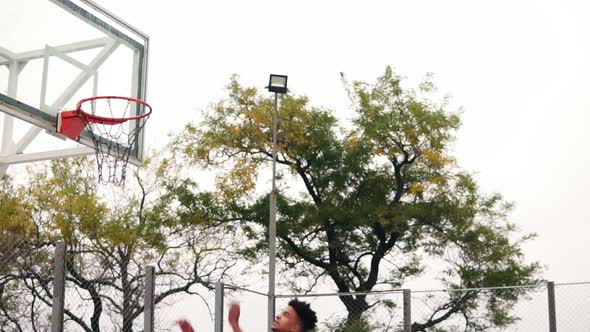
(219, 289)
(551, 301)
(407, 310)
(59, 278)
(148, 299)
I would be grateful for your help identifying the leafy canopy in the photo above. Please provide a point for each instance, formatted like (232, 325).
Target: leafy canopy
(375, 199)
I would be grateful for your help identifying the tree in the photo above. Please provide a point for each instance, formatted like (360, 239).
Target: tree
(15, 231)
(378, 197)
(110, 239)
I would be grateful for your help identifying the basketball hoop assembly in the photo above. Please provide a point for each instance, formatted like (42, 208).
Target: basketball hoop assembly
(113, 141)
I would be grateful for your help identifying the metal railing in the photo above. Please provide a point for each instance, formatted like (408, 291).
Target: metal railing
(545, 307)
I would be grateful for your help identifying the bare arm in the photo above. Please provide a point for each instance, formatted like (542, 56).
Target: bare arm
(185, 326)
(234, 317)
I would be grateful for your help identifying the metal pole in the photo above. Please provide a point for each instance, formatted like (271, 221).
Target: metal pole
(272, 231)
(8, 145)
(59, 276)
(219, 289)
(407, 310)
(148, 300)
(551, 301)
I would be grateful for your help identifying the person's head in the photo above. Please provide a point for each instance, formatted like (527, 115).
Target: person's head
(297, 317)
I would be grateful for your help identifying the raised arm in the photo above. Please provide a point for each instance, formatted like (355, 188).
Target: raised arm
(185, 326)
(234, 317)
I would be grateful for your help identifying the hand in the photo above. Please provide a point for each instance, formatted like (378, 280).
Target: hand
(234, 316)
(185, 326)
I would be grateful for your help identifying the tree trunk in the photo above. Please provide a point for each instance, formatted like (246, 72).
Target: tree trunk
(356, 306)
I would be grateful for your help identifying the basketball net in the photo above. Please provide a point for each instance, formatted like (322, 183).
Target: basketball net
(114, 132)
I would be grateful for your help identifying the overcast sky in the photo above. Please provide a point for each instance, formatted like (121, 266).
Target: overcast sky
(519, 69)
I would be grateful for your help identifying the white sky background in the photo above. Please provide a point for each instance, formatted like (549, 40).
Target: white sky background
(520, 70)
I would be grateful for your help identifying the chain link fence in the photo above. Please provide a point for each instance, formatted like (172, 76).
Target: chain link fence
(405, 310)
(25, 284)
(196, 307)
(572, 306)
(33, 278)
(531, 313)
(253, 307)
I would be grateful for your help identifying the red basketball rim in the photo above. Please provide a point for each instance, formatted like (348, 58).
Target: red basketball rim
(102, 119)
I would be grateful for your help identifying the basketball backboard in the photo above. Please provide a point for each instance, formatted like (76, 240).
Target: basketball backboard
(54, 53)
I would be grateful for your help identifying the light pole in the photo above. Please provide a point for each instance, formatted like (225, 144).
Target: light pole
(276, 84)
